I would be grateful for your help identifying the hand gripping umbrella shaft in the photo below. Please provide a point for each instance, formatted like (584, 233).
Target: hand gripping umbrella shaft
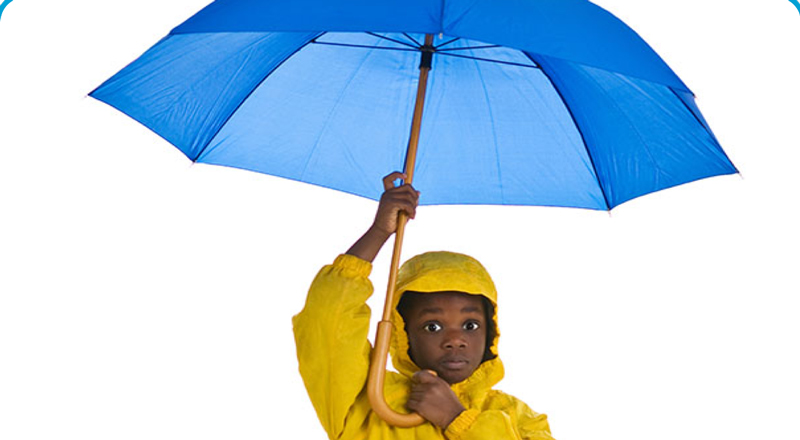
(377, 369)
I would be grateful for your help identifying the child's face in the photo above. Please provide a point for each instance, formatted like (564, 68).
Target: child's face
(447, 334)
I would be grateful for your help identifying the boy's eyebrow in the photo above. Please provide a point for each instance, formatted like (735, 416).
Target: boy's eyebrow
(430, 310)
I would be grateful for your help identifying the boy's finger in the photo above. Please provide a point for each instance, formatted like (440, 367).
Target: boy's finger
(413, 404)
(405, 190)
(410, 209)
(388, 181)
(418, 393)
(403, 201)
(414, 194)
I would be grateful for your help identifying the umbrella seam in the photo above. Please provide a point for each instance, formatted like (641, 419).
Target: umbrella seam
(488, 60)
(705, 127)
(360, 46)
(646, 147)
(441, 15)
(494, 132)
(383, 37)
(577, 127)
(330, 114)
(410, 38)
(438, 48)
(451, 49)
(249, 94)
(702, 125)
(208, 117)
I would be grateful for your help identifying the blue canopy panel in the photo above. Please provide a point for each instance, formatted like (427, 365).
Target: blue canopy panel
(497, 132)
(186, 87)
(572, 30)
(642, 136)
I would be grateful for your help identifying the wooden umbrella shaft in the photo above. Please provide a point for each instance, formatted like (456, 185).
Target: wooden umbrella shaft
(377, 370)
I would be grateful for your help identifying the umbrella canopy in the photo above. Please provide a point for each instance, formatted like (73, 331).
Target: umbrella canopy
(538, 102)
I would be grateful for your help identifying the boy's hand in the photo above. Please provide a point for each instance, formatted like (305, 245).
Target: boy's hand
(393, 201)
(432, 398)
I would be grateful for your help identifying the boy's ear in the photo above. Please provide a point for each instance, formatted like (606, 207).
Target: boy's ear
(491, 331)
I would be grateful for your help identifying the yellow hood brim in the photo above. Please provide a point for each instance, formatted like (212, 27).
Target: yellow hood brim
(433, 272)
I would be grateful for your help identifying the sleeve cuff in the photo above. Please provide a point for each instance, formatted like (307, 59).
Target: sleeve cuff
(461, 424)
(353, 265)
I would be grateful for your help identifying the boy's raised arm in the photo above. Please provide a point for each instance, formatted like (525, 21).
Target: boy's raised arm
(331, 331)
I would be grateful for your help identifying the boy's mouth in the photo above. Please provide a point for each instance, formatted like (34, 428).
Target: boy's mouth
(454, 363)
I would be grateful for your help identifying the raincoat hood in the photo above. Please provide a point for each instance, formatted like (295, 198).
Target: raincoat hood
(433, 272)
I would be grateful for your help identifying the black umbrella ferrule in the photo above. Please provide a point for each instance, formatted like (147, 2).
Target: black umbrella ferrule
(427, 56)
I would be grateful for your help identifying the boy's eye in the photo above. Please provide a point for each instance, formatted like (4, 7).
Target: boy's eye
(471, 326)
(432, 327)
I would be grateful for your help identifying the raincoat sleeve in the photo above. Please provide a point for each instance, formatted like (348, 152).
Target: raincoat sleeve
(331, 337)
(512, 420)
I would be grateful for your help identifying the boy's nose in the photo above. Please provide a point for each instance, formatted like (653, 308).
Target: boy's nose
(453, 340)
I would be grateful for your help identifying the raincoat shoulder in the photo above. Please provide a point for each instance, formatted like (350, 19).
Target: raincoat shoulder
(331, 338)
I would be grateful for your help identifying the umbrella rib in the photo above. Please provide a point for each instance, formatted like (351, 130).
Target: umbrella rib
(510, 63)
(577, 127)
(489, 46)
(412, 40)
(392, 40)
(363, 46)
(447, 42)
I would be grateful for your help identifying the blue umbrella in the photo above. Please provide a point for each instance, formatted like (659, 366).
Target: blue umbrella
(526, 102)
(541, 102)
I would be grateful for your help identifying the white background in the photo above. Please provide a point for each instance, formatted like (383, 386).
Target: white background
(146, 297)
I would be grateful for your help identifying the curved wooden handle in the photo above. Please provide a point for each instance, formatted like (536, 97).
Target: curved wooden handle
(383, 335)
(377, 371)
(377, 367)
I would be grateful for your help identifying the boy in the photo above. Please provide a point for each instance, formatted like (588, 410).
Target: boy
(444, 321)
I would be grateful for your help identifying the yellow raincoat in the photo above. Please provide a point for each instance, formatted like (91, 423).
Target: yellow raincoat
(333, 354)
